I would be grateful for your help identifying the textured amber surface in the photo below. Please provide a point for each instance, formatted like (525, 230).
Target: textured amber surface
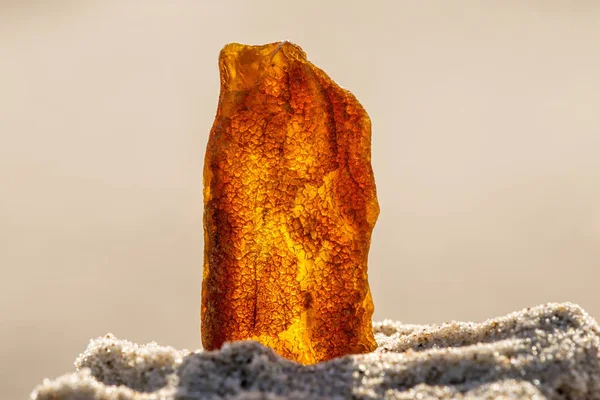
(289, 206)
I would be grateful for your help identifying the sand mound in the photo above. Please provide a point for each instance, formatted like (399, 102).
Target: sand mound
(550, 351)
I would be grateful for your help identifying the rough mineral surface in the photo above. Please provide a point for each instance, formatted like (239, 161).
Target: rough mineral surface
(546, 352)
(289, 206)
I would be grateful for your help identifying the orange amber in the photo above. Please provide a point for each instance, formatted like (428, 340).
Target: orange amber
(289, 206)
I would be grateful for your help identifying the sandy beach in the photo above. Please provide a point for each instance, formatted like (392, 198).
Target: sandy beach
(546, 352)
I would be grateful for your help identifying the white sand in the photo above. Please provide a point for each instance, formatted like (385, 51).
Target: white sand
(550, 351)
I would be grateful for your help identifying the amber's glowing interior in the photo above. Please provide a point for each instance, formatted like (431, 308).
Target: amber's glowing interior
(290, 204)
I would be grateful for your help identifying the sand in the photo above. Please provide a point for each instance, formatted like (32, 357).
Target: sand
(545, 352)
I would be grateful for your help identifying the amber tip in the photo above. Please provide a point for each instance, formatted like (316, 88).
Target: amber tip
(242, 65)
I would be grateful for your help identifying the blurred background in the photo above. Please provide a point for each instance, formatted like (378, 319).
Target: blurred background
(486, 150)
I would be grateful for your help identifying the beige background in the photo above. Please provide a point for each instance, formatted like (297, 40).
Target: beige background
(486, 149)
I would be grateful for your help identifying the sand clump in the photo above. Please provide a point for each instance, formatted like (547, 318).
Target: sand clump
(545, 352)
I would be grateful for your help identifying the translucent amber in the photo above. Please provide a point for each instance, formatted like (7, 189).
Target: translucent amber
(289, 206)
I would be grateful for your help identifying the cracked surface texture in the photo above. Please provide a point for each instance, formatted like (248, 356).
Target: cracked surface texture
(290, 205)
(545, 352)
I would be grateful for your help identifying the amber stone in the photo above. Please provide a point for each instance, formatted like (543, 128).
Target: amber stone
(289, 207)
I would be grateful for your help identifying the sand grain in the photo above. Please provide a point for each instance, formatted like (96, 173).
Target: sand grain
(546, 352)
